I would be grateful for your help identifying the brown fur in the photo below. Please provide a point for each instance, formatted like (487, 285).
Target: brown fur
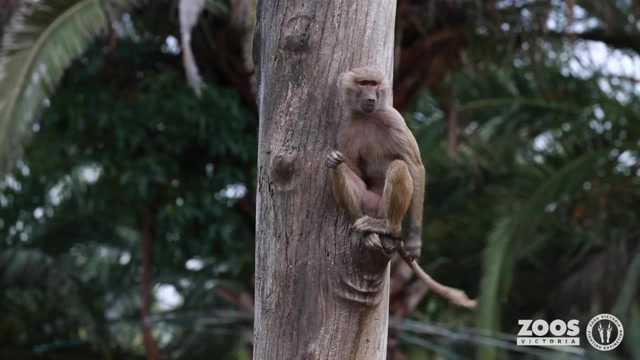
(377, 173)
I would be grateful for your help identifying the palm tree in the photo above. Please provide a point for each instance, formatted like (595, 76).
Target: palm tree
(40, 41)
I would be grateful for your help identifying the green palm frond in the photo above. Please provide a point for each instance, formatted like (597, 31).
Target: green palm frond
(39, 43)
(509, 234)
(627, 295)
(496, 266)
(632, 333)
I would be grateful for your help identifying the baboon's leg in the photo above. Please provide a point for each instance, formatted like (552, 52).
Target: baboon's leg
(397, 195)
(395, 201)
(349, 190)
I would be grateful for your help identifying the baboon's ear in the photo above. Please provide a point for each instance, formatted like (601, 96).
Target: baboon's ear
(384, 95)
(346, 80)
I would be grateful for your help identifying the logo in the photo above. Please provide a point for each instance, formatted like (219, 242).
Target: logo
(605, 332)
(536, 333)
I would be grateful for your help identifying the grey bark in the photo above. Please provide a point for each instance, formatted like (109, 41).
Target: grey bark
(320, 292)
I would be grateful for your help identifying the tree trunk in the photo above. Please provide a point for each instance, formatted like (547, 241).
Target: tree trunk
(7, 8)
(146, 284)
(320, 293)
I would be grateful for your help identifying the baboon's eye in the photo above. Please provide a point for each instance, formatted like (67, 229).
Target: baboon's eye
(367, 83)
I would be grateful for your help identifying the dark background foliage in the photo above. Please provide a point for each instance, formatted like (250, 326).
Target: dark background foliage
(527, 125)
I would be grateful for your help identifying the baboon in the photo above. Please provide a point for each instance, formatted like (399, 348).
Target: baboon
(377, 173)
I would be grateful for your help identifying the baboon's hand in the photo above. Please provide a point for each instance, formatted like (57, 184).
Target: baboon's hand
(334, 159)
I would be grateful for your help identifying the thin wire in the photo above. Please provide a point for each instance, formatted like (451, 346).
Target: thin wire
(442, 350)
(472, 335)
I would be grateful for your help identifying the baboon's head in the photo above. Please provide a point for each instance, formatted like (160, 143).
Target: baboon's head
(364, 89)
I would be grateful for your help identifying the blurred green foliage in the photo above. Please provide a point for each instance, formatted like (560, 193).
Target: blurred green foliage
(540, 200)
(534, 210)
(111, 147)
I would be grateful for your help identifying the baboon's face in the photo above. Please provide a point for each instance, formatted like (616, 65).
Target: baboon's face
(367, 95)
(365, 89)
